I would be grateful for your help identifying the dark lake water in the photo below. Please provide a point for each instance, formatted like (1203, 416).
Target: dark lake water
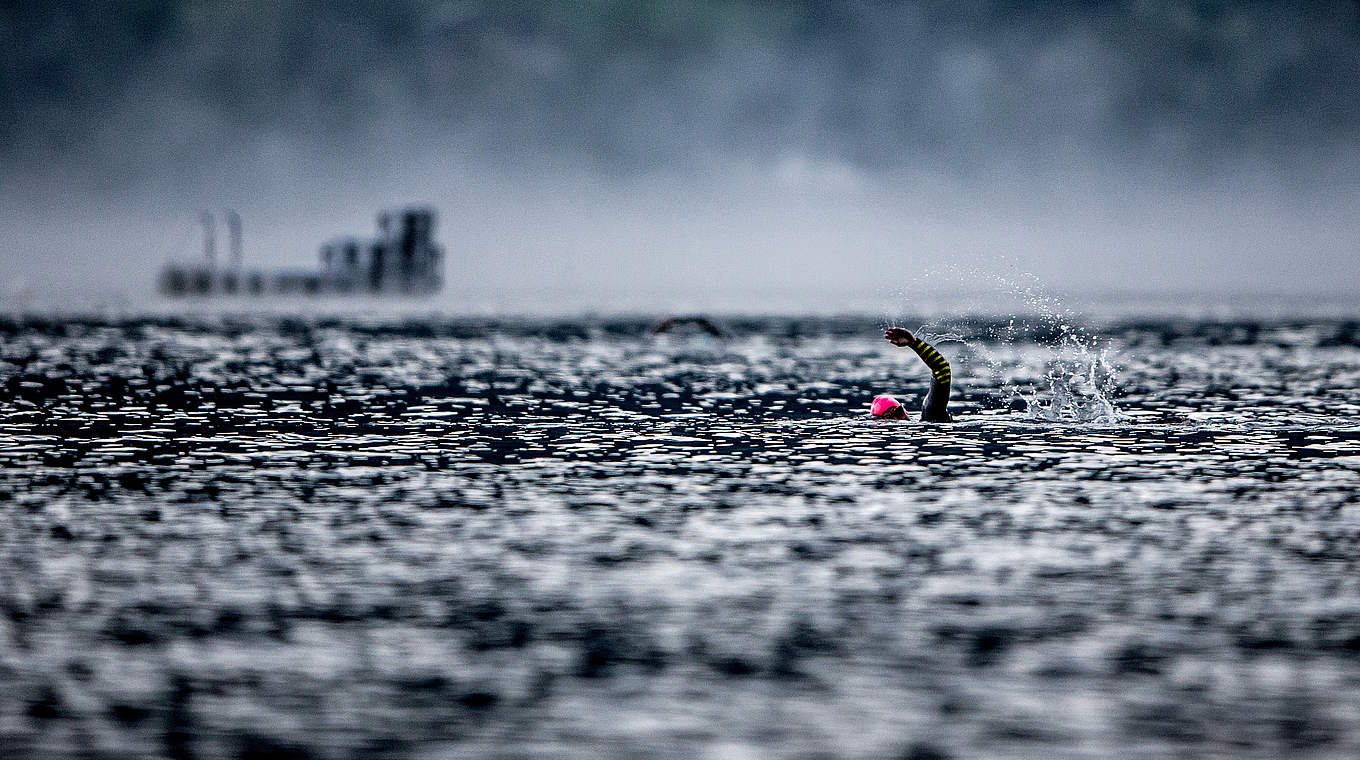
(446, 538)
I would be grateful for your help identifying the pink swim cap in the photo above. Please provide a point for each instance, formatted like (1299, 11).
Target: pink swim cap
(883, 404)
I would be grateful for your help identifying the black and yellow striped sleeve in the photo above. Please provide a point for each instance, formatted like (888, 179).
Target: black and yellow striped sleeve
(939, 366)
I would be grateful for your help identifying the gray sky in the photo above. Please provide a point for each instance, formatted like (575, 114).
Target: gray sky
(622, 154)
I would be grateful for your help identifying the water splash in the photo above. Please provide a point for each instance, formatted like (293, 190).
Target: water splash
(1046, 364)
(1079, 389)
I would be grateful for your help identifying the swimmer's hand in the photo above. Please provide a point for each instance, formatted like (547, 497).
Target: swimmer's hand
(900, 337)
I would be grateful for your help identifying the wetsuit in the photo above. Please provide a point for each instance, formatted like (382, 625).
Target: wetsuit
(936, 406)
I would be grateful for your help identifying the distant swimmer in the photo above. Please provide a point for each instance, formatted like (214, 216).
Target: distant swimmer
(936, 406)
(703, 323)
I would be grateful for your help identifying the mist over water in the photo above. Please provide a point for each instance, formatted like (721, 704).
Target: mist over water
(598, 149)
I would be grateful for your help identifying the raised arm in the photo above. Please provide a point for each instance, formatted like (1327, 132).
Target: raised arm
(939, 366)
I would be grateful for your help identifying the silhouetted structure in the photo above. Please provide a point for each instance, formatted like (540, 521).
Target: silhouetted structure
(403, 259)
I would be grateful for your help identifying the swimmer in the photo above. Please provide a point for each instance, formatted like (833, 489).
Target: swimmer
(703, 323)
(936, 406)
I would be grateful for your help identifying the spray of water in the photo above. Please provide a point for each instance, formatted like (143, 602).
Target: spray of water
(1048, 366)
(1079, 389)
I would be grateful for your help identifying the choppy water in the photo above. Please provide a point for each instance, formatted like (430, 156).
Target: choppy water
(270, 537)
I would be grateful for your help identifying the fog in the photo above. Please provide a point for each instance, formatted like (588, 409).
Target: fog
(624, 155)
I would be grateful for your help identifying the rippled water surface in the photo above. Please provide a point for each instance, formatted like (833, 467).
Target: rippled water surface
(262, 537)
